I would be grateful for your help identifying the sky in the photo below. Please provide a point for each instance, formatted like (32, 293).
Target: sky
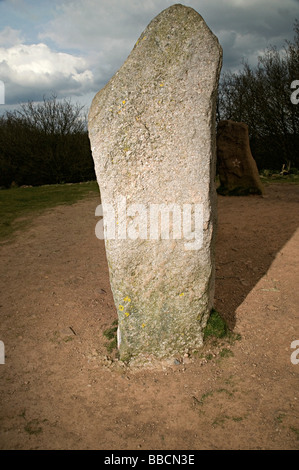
(73, 47)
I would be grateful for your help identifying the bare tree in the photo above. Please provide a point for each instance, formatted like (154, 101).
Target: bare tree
(51, 116)
(47, 142)
(260, 96)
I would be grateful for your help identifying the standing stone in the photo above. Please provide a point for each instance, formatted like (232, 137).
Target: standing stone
(153, 139)
(237, 169)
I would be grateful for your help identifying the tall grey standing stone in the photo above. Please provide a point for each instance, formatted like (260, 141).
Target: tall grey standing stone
(152, 133)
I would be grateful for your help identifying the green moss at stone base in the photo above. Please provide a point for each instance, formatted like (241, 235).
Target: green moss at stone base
(111, 335)
(216, 326)
(216, 329)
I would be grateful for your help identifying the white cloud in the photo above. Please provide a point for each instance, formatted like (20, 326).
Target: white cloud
(96, 36)
(10, 37)
(37, 68)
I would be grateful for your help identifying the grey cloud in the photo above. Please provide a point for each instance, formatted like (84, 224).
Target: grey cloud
(107, 30)
(35, 70)
(103, 32)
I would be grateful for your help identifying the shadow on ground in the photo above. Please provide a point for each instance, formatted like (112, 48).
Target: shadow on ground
(250, 234)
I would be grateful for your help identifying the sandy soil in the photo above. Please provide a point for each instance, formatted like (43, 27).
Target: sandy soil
(59, 388)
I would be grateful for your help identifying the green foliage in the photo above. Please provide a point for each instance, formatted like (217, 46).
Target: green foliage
(33, 427)
(295, 431)
(112, 345)
(225, 352)
(216, 329)
(270, 177)
(216, 326)
(111, 335)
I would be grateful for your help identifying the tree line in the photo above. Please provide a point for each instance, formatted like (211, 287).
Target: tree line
(47, 142)
(265, 99)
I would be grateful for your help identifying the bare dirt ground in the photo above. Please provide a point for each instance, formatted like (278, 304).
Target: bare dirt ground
(59, 389)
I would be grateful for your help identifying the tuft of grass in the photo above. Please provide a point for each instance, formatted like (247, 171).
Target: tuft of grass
(33, 427)
(111, 335)
(205, 396)
(269, 177)
(295, 431)
(216, 327)
(110, 332)
(220, 420)
(111, 346)
(237, 419)
(279, 419)
(211, 393)
(225, 352)
(18, 206)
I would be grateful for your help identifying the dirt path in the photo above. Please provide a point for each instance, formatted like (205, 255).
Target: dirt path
(59, 390)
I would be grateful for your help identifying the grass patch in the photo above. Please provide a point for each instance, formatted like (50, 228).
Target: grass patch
(19, 205)
(216, 327)
(33, 427)
(111, 335)
(295, 431)
(226, 353)
(237, 419)
(217, 339)
(211, 393)
(111, 332)
(224, 390)
(220, 420)
(268, 178)
(204, 397)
